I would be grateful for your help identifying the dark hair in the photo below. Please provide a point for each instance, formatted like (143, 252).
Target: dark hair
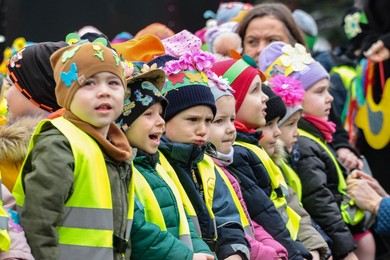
(277, 10)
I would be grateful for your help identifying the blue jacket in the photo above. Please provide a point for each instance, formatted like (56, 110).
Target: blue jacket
(184, 158)
(383, 218)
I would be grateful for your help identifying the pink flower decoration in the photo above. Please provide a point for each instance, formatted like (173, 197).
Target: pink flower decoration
(288, 88)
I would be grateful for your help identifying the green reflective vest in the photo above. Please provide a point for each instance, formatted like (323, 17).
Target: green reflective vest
(152, 209)
(352, 215)
(87, 228)
(279, 189)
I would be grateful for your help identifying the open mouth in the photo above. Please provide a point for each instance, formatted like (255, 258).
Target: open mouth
(154, 137)
(104, 107)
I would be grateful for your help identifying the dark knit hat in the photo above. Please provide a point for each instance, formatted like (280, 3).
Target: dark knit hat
(74, 64)
(143, 91)
(187, 82)
(240, 74)
(275, 105)
(32, 74)
(282, 58)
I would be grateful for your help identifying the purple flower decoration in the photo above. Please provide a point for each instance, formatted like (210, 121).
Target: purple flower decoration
(288, 88)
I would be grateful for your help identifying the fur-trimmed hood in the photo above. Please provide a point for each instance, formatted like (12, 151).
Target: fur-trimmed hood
(15, 136)
(279, 154)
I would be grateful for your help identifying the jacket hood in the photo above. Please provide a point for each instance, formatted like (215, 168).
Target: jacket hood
(279, 154)
(15, 137)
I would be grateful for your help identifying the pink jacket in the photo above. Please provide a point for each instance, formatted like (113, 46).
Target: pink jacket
(263, 246)
(19, 248)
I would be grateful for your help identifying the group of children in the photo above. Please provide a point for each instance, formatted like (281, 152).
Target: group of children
(182, 157)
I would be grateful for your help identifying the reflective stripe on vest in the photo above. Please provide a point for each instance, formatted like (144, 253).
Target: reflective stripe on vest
(244, 220)
(293, 179)
(183, 195)
(351, 213)
(279, 189)
(87, 227)
(5, 240)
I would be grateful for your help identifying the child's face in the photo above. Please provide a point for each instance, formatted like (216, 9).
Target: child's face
(317, 100)
(252, 111)
(271, 133)
(289, 131)
(223, 132)
(99, 101)
(190, 126)
(145, 132)
(17, 104)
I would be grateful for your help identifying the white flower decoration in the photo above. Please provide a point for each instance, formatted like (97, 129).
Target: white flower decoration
(296, 57)
(351, 25)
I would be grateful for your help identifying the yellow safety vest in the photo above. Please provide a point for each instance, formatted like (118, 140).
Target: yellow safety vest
(293, 179)
(152, 209)
(5, 240)
(87, 229)
(352, 215)
(290, 217)
(207, 172)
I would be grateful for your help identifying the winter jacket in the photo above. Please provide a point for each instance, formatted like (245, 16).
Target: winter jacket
(320, 196)
(382, 225)
(231, 237)
(48, 178)
(14, 139)
(19, 247)
(147, 240)
(256, 188)
(263, 246)
(309, 236)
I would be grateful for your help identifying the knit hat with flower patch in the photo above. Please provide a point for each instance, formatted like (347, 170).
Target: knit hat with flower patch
(281, 58)
(291, 93)
(240, 74)
(143, 91)
(74, 64)
(187, 82)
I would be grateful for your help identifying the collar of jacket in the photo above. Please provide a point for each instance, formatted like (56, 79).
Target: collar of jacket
(252, 138)
(182, 151)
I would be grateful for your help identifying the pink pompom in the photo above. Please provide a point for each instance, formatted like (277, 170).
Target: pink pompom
(288, 88)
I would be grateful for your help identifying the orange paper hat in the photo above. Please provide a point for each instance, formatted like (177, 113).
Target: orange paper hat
(143, 49)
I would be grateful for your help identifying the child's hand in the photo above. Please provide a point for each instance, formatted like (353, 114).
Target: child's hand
(349, 159)
(202, 256)
(234, 257)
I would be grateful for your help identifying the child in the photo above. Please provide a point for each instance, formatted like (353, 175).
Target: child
(188, 117)
(322, 177)
(29, 91)
(223, 135)
(276, 112)
(143, 125)
(73, 189)
(246, 80)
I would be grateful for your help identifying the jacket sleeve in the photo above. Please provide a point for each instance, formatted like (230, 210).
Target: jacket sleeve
(148, 240)
(47, 180)
(382, 225)
(320, 202)
(307, 234)
(231, 237)
(19, 247)
(197, 242)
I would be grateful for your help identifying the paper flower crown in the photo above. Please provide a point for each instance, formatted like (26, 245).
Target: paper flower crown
(193, 67)
(288, 88)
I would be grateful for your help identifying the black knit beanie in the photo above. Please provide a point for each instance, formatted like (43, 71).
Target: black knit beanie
(275, 105)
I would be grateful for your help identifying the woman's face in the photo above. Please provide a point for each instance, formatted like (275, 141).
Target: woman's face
(262, 31)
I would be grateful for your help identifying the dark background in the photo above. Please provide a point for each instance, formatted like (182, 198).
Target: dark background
(52, 20)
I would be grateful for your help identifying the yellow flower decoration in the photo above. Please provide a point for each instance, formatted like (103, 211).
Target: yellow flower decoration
(295, 57)
(19, 43)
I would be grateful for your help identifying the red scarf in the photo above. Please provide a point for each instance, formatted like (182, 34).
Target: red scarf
(327, 128)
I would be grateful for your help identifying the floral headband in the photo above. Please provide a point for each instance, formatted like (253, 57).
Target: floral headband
(288, 88)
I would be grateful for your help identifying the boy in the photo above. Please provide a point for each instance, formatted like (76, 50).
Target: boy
(73, 188)
(188, 117)
(173, 235)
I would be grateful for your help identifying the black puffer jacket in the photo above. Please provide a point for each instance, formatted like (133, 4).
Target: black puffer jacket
(256, 188)
(320, 196)
(231, 237)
